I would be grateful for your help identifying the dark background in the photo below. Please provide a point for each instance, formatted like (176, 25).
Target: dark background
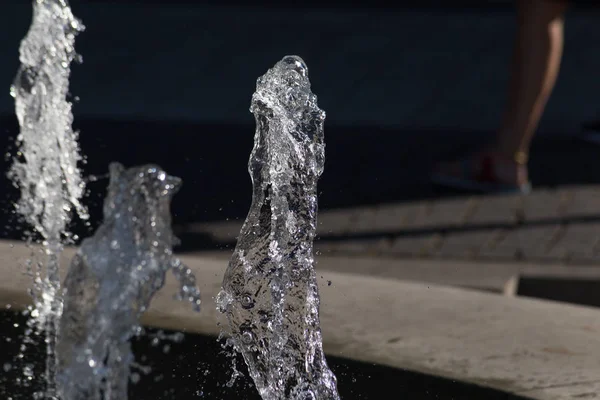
(403, 85)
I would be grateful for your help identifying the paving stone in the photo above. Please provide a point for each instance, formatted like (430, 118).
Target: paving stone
(334, 222)
(392, 218)
(550, 225)
(414, 214)
(415, 246)
(325, 247)
(542, 205)
(370, 247)
(465, 244)
(385, 219)
(353, 246)
(578, 242)
(496, 210)
(583, 201)
(531, 242)
(363, 220)
(442, 214)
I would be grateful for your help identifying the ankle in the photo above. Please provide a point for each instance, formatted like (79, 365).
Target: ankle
(517, 156)
(510, 168)
(517, 152)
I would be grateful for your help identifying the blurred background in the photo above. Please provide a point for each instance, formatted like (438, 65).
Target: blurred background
(403, 86)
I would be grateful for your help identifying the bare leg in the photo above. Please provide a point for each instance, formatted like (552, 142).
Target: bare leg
(536, 62)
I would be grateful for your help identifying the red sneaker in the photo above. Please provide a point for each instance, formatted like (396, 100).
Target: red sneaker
(477, 173)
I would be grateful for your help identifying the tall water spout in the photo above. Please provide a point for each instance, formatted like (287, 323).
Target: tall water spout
(270, 295)
(45, 169)
(112, 280)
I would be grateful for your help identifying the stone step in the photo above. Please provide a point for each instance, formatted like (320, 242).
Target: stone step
(561, 226)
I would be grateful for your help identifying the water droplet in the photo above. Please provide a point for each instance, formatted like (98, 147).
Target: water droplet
(309, 395)
(247, 337)
(28, 372)
(247, 301)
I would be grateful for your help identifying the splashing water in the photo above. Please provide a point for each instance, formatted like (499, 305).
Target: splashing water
(48, 175)
(112, 280)
(270, 294)
(46, 168)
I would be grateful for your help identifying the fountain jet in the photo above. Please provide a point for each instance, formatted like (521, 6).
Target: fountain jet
(112, 280)
(270, 295)
(46, 165)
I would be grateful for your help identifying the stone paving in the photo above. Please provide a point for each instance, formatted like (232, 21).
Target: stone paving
(560, 226)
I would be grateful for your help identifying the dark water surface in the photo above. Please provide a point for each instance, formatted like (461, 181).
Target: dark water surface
(197, 367)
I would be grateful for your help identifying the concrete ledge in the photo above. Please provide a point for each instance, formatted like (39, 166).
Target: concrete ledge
(532, 348)
(537, 349)
(500, 278)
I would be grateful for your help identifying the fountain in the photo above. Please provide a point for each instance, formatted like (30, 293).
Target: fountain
(46, 169)
(270, 294)
(116, 272)
(112, 280)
